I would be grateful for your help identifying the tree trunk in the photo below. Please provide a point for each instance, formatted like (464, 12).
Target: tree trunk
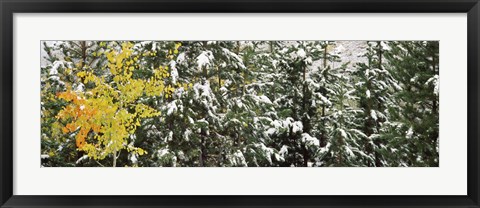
(84, 52)
(203, 150)
(434, 105)
(379, 54)
(115, 158)
(305, 120)
(323, 137)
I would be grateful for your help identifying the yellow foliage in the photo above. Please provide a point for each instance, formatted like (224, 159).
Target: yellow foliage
(106, 115)
(81, 74)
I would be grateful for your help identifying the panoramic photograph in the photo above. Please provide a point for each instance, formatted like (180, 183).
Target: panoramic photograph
(110, 103)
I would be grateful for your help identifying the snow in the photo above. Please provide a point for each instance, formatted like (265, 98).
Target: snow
(271, 131)
(181, 58)
(173, 72)
(211, 42)
(80, 87)
(263, 99)
(278, 157)
(414, 79)
(349, 151)
(409, 133)
(181, 155)
(277, 124)
(368, 93)
(239, 103)
(325, 149)
(297, 126)
(385, 46)
(170, 136)
(373, 114)
(343, 133)
(339, 49)
(434, 79)
(307, 139)
(153, 132)
(133, 158)
(351, 52)
(54, 78)
(301, 53)
(154, 46)
(267, 151)
(239, 159)
(359, 133)
(172, 107)
(382, 84)
(238, 61)
(283, 151)
(162, 152)
(141, 44)
(203, 90)
(308, 60)
(190, 120)
(274, 64)
(186, 135)
(202, 121)
(223, 90)
(396, 86)
(54, 69)
(204, 59)
(324, 100)
(227, 83)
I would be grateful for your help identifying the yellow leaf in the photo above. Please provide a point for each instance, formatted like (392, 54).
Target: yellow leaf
(81, 74)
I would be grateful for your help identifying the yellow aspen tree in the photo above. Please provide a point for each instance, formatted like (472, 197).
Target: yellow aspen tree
(105, 116)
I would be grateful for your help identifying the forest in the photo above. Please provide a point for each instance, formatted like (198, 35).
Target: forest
(239, 103)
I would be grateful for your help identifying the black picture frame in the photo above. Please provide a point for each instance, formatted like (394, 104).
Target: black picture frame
(9, 7)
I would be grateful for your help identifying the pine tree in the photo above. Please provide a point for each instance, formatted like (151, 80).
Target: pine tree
(293, 126)
(415, 116)
(374, 87)
(339, 127)
(63, 60)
